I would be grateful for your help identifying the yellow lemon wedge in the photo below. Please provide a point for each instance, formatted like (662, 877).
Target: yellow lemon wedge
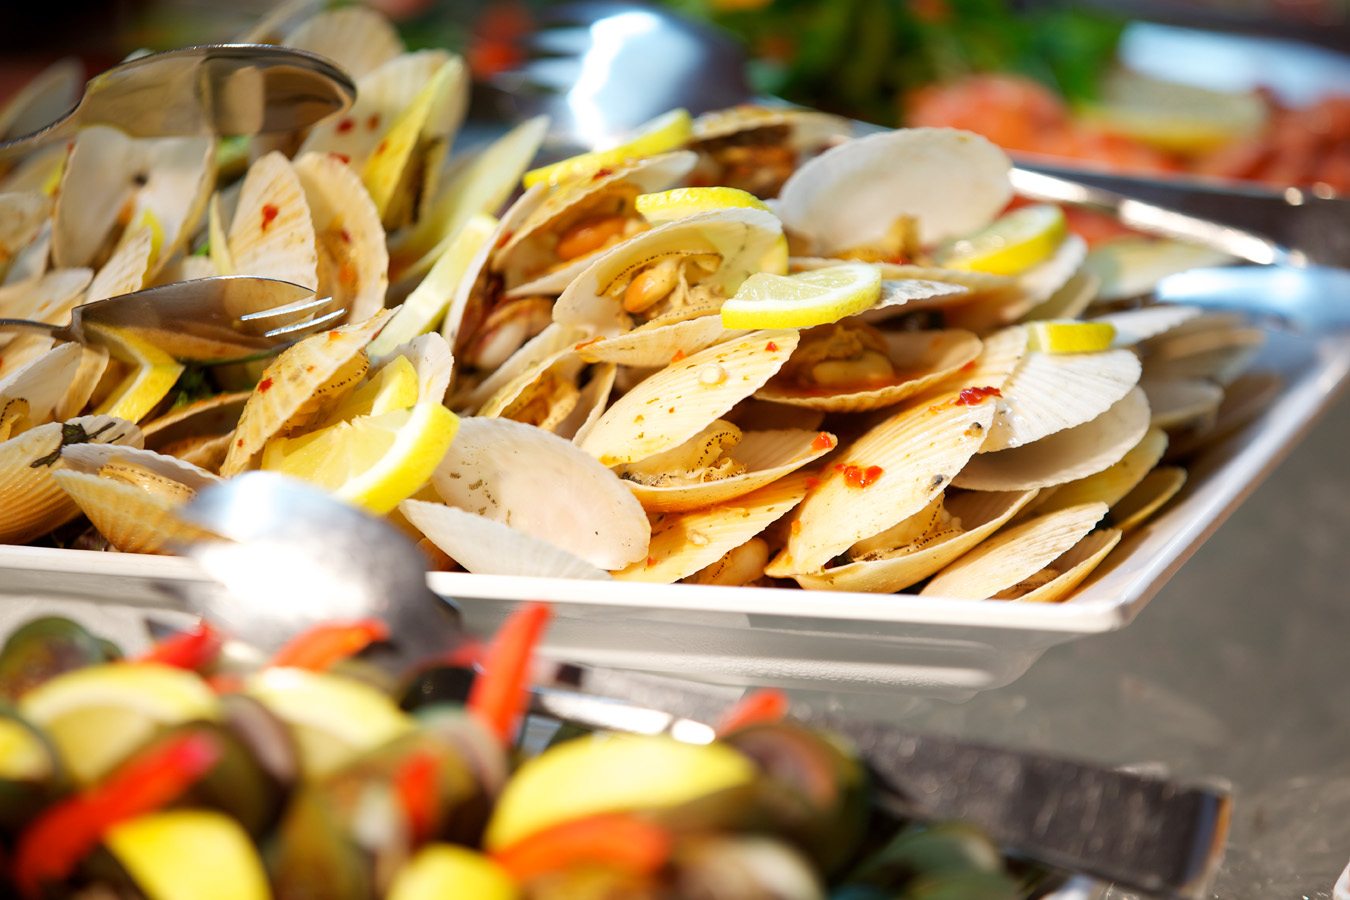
(189, 854)
(1070, 337)
(95, 716)
(1014, 243)
(153, 374)
(383, 171)
(447, 870)
(427, 304)
(333, 718)
(667, 206)
(374, 461)
(394, 387)
(666, 132)
(811, 298)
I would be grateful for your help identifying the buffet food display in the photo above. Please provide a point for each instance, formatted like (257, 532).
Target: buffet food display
(737, 349)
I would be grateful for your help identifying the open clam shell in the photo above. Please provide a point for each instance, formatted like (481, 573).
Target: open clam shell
(1033, 288)
(757, 148)
(1070, 301)
(534, 356)
(198, 433)
(98, 182)
(131, 495)
(180, 174)
(544, 396)
(127, 268)
(33, 503)
(890, 473)
(1067, 571)
(948, 182)
(431, 360)
(1064, 456)
(1133, 326)
(765, 455)
(1180, 403)
(1049, 392)
(591, 403)
(1000, 354)
(544, 486)
(80, 389)
(358, 39)
(353, 263)
(685, 543)
(1132, 266)
(272, 234)
(44, 382)
(540, 251)
(888, 569)
(43, 99)
(673, 405)
(1149, 496)
(1012, 556)
(1245, 398)
(656, 345)
(1205, 347)
(1110, 485)
(489, 547)
(297, 385)
(919, 359)
(22, 215)
(738, 238)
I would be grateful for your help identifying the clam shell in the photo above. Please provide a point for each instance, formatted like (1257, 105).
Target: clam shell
(529, 255)
(591, 403)
(38, 172)
(543, 396)
(950, 182)
(220, 257)
(22, 216)
(741, 237)
(81, 387)
(760, 415)
(806, 128)
(976, 284)
(918, 451)
(44, 381)
(272, 234)
(924, 358)
(488, 547)
(1033, 288)
(766, 455)
(353, 264)
(482, 186)
(44, 99)
(1110, 485)
(183, 432)
(432, 360)
(1149, 496)
(538, 353)
(1049, 392)
(1074, 566)
(291, 382)
(1065, 456)
(655, 344)
(127, 268)
(1069, 301)
(358, 39)
(98, 181)
(133, 519)
(181, 172)
(1133, 266)
(980, 514)
(22, 350)
(31, 501)
(685, 543)
(1178, 403)
(676, 403)
(1245, 398)
(1194, 351)
(32, 261)
(1000, 354)
(544, 486)
(1012, 556)
(1134, 326)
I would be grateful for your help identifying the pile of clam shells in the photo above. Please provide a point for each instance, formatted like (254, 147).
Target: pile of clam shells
(611, 426)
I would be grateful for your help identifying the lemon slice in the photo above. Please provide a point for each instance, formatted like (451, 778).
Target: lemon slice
(1070, 337)
(333, 718)
(148, 383)
(1014, 243)
(97, 715)
(446, 870)
(393, 388)
(669, 131)
(375, 461)
(803, 300)
(189, 854)
(429, 300)
(666, 206)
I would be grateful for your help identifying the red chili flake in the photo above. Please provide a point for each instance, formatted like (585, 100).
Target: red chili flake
(504, 239)
(823, 441)
(975, 395)
(309, 368)
(671, 410)
(265, 385)
(858, 477)
(269, 212)
(342, 158)
(969, 367)
(334, 335)
(771, 347)
(347, 274)
(602, 173)
(373, 122)
(415, 785)
(383, 146)
(811, 484)
(239, 443)
(345, 125)
(679, 355)
(651, 561)
(584, 344)
(345, 235)
(796, 525)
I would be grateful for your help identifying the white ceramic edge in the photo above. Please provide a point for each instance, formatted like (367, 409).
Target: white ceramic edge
(1342, 889)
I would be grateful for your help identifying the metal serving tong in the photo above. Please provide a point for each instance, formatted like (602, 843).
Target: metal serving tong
(292, 557)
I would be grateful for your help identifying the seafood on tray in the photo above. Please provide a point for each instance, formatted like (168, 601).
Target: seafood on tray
(881, 374)
(179, 773)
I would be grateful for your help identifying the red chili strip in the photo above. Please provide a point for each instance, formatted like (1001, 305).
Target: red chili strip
(767, 705)
(498, 694)
(415, 786)
(194, 650)
(324, 646)
(618, 841)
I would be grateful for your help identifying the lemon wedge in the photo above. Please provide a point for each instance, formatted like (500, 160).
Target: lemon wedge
(1014, 243)
(189, 854)
(374, 461)
(803, 300)
(447, 870)
(668, 131)
(1070, 337)
(667, 206)
(333, 718)
(95, 716)
(151, 379)
(394, 387)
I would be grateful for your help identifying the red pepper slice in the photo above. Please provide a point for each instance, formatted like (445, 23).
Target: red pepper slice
(415, 786)
(193, 650)
(617, 840)
(769, 705)
(323, 646)
(51, 847)
(498, 694)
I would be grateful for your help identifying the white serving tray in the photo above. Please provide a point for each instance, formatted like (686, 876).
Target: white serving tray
(820, 640)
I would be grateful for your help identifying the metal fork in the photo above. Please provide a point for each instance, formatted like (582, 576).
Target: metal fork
(222, 318)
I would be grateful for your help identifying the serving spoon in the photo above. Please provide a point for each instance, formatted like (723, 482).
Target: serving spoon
(217, 89)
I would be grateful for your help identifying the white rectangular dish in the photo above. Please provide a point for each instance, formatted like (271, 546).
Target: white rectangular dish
(818, 640)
